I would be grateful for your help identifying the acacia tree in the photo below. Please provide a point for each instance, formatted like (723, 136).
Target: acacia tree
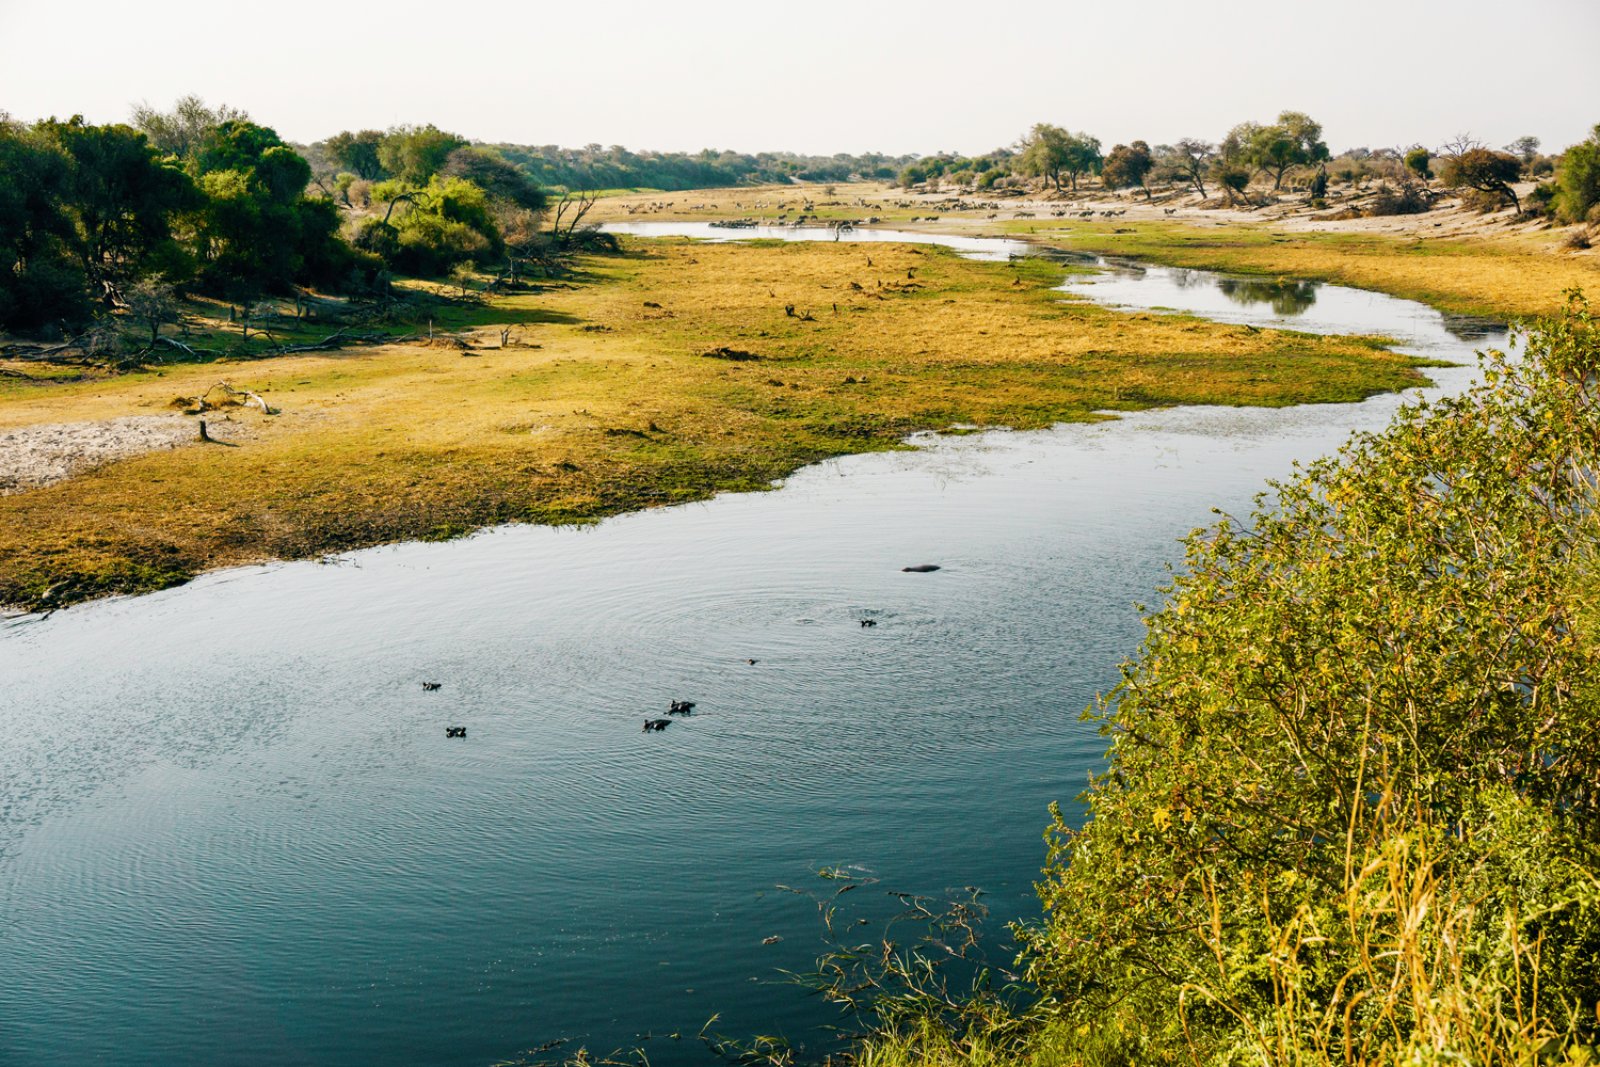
(1294, 140)
(1127, 166)
(1484, 170)
(1048, 151)
(1525, 148)
(1188, 161)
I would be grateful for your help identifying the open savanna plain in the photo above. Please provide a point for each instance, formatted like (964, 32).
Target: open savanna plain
(666, 373)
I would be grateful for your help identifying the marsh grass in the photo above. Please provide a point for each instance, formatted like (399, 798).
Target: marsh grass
(603, 402)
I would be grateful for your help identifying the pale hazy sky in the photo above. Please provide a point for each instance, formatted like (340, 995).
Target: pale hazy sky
(906, 76)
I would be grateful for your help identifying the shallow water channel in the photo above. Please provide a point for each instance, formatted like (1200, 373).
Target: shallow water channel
(232, 829)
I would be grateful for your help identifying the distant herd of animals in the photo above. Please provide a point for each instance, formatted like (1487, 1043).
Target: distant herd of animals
(678, 707)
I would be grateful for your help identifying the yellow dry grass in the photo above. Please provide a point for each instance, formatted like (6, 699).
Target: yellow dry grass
(1491, 273)
(610, 404)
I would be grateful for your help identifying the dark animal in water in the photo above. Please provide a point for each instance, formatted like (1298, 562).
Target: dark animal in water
(429, 687)
(751, 662)
(868, 623)
(921, 568)
(656, 724)
(681, 707)
(455, 731)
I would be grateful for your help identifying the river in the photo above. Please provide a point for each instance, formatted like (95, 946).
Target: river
(232, 829)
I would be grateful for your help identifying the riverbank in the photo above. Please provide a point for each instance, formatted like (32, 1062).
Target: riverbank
(1451, 258)
(670, 373)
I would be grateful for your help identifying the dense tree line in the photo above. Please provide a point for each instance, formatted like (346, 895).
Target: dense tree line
(205, 199)
(404, 152)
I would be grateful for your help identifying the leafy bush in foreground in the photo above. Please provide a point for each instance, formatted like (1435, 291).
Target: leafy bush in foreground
(1352, 803)
(1352, 812)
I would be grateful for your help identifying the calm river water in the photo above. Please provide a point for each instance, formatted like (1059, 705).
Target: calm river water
(232, 829)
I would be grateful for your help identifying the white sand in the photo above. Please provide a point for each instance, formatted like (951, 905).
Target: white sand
(34, 456)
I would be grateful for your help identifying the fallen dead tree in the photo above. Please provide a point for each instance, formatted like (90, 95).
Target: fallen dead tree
(231, 397)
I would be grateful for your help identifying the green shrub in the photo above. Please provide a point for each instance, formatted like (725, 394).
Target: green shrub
(1578, 180)
(1350, 794)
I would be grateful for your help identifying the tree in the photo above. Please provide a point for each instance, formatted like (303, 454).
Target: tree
(153, 304)
(1083, 157)
(1043, 152)
(571, 208)
(1484, 170)
(1234, 179)
(416, 153)
(1524, 148)
(501, 180)
(358, 153)
(1417, 162)
(1187, 162)
(258, 231)
(123, 199)
(42, 282)
(1578, 180)
(445, 223)
(1048, 151)
(1127, 166)
(1294, 140)
(181, 131)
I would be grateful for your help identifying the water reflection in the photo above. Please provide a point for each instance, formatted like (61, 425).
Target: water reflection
(1313, 307)
(1285, 298)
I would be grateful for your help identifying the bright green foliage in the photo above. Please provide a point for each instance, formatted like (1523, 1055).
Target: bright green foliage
(1049, 151)
(416, 153)
(433, 228)
(1127, 166)
(1417, 162)
(258, 231)
(1353, 783)
(1578, 180)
